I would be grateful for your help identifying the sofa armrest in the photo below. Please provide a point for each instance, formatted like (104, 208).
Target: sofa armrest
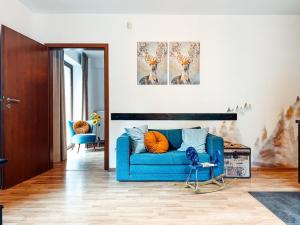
(123, 157)
(214, 144)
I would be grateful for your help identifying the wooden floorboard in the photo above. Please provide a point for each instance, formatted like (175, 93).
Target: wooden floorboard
(81, 192)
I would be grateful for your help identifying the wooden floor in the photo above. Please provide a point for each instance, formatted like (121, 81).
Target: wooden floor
(82, 193)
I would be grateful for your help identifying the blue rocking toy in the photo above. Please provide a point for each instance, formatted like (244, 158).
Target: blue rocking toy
(215, 183)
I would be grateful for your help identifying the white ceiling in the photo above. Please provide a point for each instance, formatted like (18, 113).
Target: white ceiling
(165, 6)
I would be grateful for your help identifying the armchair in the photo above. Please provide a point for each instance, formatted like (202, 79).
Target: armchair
(88, 138)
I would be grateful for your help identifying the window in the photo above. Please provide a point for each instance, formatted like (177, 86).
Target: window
(68, 83)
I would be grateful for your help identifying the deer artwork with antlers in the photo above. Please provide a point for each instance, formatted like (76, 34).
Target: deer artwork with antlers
(152, 61)
(176, 51)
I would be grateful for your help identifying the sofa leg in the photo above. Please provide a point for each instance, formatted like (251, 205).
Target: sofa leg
(78, 148)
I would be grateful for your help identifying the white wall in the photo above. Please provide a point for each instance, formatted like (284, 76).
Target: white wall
(16, 16)
(252, 59)
(72, 57)
(95, 85)
(77, 92)
(96, 91)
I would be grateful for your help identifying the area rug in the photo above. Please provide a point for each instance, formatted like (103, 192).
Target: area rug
(285, 205)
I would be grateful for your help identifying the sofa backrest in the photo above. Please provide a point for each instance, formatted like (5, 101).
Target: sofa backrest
(174, 137)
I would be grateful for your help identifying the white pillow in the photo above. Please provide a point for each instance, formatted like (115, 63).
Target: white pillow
(195, 138)
(136, 135)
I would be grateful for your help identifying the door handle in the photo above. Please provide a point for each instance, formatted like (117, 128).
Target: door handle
(12, 100)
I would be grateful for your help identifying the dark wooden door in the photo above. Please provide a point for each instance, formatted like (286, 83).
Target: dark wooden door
(24, 107)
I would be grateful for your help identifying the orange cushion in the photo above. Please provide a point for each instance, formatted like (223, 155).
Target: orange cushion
(81, 127)
(156, 142)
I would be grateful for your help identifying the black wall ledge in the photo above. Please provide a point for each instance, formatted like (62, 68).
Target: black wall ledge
(173, 116)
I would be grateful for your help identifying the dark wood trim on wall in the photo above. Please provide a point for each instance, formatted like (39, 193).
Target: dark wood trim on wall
(298, 122)
(89, 46)
(106, 106)
(94, 46)
(50, 111)
(173, 116)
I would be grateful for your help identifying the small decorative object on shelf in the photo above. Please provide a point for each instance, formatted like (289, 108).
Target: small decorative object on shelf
(237, 160)
(96, 119)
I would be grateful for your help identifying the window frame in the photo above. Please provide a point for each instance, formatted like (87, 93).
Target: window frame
(70, 66)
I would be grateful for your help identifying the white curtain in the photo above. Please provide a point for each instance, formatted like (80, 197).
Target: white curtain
(59, 115)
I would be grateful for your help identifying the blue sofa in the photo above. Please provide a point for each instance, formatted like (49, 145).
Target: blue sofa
(170, 166)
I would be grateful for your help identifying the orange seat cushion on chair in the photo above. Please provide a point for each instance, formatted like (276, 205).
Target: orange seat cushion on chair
(156, 142)
(81, 127)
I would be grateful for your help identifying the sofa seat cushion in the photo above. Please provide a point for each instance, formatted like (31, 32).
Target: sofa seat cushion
(83, 138)
(168, 158)
(162, 169)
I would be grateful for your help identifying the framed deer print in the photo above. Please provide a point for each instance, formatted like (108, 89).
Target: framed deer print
(184, 63)
(152, 63)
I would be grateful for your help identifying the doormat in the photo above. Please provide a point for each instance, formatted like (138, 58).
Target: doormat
(285, 205)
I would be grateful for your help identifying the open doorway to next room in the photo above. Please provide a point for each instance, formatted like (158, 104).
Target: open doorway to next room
(82, 108)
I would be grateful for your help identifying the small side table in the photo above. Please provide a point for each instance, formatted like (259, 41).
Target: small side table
(237, 160)
(98, 134)
(298, 121)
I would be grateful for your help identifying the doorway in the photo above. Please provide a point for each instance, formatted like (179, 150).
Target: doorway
(83, 99)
